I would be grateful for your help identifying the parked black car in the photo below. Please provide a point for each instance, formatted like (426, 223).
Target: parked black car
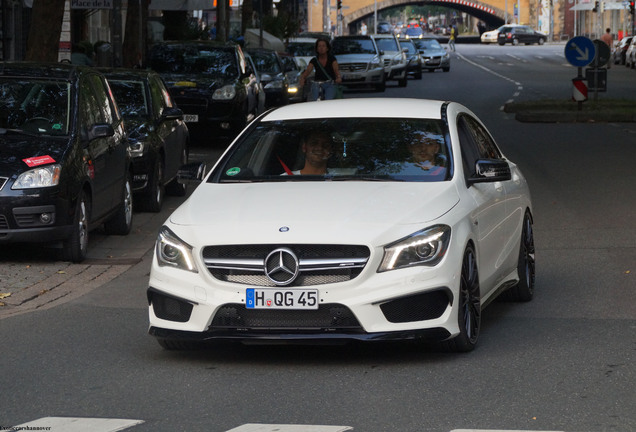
(272, 73)
(64, 165)
(159, 139)
(520, 34)
(211, 82)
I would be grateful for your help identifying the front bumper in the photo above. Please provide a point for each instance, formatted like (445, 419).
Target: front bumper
(36, 216)
(363, 78)
(413, 303)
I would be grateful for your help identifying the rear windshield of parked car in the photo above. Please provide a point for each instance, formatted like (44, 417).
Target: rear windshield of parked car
(382, 149)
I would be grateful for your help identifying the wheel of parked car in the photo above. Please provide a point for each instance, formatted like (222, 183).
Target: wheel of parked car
(469, 313)
(75, 248)
(175, 188)
(541, 41)
(121, 222)
(515, 41)
(152, 200)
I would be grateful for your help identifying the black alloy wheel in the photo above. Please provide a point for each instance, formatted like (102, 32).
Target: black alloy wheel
(524, 290)
(468, 306)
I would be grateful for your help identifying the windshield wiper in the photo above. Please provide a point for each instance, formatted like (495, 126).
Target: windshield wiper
(377, 178)
(4, 131)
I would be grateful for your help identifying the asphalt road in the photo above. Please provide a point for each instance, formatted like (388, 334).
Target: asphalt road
(563, 362)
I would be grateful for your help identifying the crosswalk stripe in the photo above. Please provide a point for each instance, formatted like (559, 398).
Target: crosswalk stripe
(75, 424)
(258, 427)
(496, 430)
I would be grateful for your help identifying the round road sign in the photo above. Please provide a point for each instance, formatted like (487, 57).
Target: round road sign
(580, 51)
(603, 53)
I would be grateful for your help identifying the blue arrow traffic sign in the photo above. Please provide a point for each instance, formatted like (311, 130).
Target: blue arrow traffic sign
(580, 51)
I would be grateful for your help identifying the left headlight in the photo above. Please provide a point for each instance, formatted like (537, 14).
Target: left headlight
(224, 93)
(426, 247)
(45, 176)
(173, 252)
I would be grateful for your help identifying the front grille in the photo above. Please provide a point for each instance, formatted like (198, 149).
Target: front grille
(417, 307)
(317, 264)
(192, 105)
(387, 62)
(352, 67)
(327, 316)
(4, 224)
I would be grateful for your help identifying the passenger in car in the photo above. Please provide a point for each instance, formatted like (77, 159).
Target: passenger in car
(425, 157)
(317, 148)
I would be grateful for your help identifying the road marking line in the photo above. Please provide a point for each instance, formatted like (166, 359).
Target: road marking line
(75, 424)
(257, 427)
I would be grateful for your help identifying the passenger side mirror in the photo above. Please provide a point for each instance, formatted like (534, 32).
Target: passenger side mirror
(101, 130)
(490, 170)
(172, 113)
(191, 173)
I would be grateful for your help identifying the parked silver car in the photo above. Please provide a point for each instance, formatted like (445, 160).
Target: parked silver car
(359, 61)
(393, 58)
(434, 56)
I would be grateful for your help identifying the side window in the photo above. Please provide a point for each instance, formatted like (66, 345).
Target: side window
(470, 153)
(157, 97)
(104, 101)
(485, 145)
(88, 103)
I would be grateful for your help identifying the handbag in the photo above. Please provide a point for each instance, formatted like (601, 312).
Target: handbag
(339, 89)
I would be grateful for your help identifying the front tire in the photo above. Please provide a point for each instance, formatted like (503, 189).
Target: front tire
(468, 304)
(75, 248)
(121, 222)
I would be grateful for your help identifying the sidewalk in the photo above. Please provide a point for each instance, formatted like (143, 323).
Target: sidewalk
(33, 279)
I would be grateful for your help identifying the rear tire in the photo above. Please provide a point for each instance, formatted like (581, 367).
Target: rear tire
(524, 290)
(175, 188)
(152, 200)
(121, 222)
(75, 248)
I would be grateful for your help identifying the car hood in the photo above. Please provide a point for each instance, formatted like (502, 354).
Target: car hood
(15, 149)
(347, 212)
(354, 58)
(433, 52)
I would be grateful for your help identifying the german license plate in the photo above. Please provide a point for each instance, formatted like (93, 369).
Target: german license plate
(350, 76)
(265, 298)
(190, 118)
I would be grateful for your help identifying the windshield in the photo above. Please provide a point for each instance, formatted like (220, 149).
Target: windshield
(353, 46)
(218, 62)
(371, 149)
(387, 44)
(302, 49)
(131, 97)
(35, 106)
(428, 44)
(265, 62)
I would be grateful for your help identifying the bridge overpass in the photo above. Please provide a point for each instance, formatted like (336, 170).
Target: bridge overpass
(323, 17)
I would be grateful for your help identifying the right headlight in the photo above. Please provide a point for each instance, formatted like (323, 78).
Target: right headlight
(425, 247)
(173, 252)
(226, 92)
(41, 177)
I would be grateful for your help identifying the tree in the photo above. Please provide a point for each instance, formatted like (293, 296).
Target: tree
(134, 47)
(43, 42)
